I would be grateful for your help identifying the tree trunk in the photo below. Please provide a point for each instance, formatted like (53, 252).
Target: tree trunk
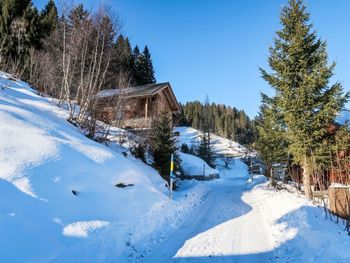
(307, 172)
(272, 178)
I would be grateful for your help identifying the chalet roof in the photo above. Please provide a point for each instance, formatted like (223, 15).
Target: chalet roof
(143, 91)
(132, 92)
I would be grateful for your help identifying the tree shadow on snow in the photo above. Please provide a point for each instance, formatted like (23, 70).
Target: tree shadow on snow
(310, 238)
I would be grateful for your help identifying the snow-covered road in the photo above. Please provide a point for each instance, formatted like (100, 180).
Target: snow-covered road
(223, 229)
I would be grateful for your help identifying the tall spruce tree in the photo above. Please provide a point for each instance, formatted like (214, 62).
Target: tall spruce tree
(144, 73)
(134, 64)
(163, 144)
(300, 76)
(123, 54)
(121, 63)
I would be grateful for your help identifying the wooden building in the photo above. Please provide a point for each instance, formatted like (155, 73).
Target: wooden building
(136, 107)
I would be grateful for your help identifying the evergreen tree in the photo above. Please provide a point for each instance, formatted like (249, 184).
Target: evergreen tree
(49, 18)
(123, 54)
(135, 54)
(162, 144)
(11, 13)
(144, 73)
(205, 149)
(121, 63)
(134, 65)
(77, 15)
(271, 142)
(20, 30)
(300, 76)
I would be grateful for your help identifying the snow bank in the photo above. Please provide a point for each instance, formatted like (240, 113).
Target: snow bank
(194, 166)
(299, 230)
(235, 170)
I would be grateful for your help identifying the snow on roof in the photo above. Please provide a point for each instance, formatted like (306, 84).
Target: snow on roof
(138, 91)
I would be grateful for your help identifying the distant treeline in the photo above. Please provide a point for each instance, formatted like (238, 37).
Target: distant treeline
(222, 120)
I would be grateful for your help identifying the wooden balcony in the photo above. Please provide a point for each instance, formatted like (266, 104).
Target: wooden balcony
(138, 123)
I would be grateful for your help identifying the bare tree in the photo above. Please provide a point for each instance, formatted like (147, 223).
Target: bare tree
(75, 61)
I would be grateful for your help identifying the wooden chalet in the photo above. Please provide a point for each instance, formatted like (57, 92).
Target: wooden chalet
(136, 107)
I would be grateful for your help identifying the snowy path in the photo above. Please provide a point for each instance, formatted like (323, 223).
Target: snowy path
(223, 229)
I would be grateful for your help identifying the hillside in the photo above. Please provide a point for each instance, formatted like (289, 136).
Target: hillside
(59, 201)
(57, 187)
(221, 146)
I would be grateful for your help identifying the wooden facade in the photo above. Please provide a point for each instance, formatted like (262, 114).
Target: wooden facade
(339, 200)
(136, 107)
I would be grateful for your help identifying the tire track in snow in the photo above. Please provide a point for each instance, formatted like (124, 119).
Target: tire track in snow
(223, 229)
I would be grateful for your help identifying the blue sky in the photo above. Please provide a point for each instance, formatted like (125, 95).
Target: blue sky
(215, 48)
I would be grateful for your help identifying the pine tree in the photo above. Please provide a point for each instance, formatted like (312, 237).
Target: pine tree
(14, 26)
(20, 31)
(144, 72)
(123, 54)
(271, 142)
(205, 149)
(162, 144)
(300, 76)
(121, 63)
(134, 65)
(49, 17)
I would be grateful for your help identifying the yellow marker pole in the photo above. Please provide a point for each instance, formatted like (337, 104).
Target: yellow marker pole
(171, 175)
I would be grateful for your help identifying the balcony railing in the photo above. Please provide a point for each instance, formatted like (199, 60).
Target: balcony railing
(138, 123)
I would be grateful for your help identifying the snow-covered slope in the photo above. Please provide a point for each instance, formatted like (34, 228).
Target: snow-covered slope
(194, 166)
(43, 160)
(222, 146)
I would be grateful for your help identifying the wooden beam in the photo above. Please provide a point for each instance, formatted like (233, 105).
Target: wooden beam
(146, 108)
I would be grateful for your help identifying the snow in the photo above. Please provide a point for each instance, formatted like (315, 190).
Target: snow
(222, 146)
(83, 228)
(108, 93)
(195, 166)
(43, 158)
(242, 221)
(235, 218)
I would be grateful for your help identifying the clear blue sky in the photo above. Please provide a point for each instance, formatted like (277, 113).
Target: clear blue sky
(215, 47)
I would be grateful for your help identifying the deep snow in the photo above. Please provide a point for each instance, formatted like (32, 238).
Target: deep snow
(242, 221)
(43, 158)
